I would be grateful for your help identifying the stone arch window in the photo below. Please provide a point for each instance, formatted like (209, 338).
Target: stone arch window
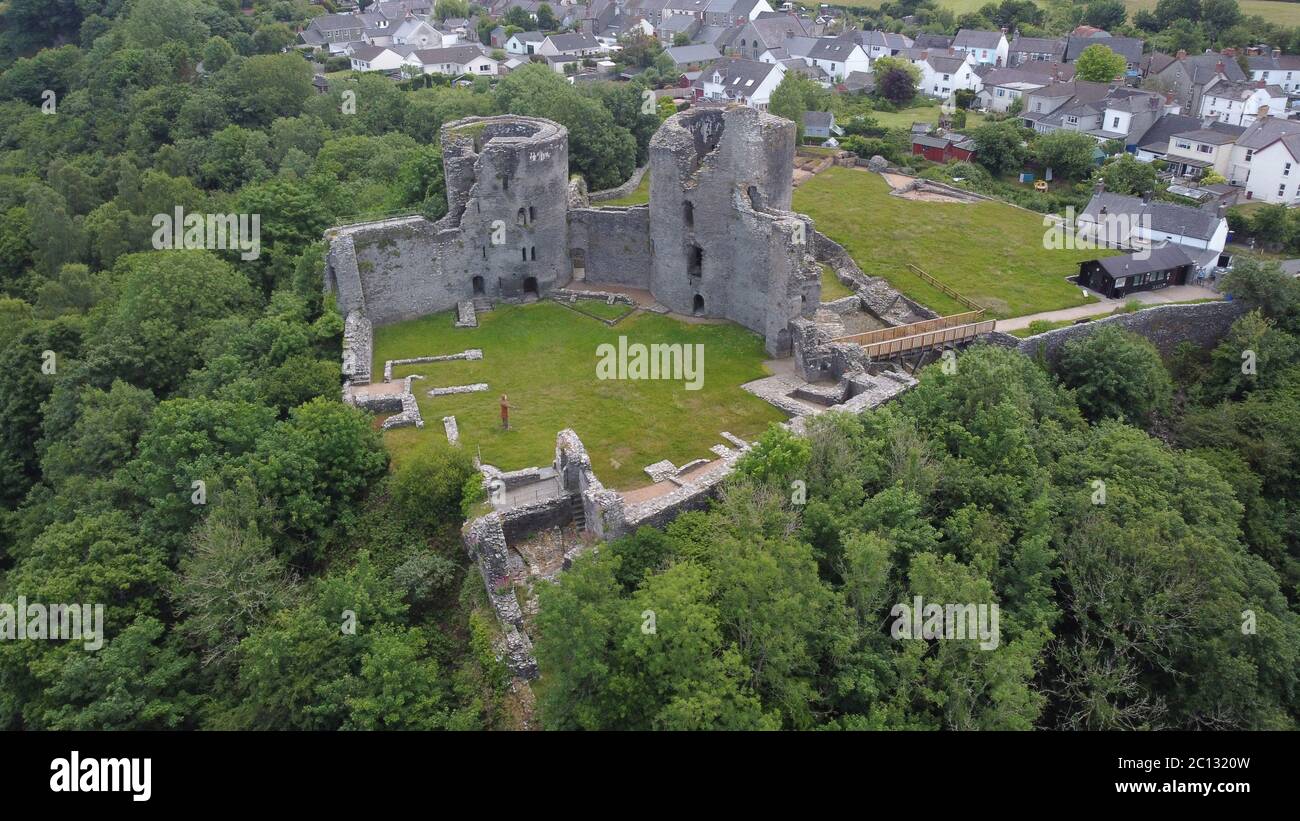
(533, 253)
(755, 198)
(505, 182)
(688, 213)
(484, 252)
(523, 254)
(697, 306)
(532, 214)
(522, 217)
(478, 286)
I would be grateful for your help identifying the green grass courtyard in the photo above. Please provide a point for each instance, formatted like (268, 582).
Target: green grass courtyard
(544, 357)
(989, 252)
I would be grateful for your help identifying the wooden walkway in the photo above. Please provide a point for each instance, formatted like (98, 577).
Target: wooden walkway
(924, 335)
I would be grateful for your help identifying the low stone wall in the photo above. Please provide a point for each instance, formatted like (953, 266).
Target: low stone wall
(522, 522)
(621, 191)
(1202, 324)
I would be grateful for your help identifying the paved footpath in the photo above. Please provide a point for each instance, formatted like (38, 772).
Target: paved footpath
(1174, 293)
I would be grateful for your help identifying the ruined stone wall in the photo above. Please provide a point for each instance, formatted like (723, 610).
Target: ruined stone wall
(724, 241)
(613, 244)
(507, 180)
(1203, 324)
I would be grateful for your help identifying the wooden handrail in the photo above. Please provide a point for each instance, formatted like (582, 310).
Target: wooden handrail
(911, 329)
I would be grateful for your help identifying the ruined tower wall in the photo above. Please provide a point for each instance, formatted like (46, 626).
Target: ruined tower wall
(725, 243)
(507, 183)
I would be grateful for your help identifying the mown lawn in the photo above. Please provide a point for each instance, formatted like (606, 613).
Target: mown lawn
(1274, 11)
(832, 288)
(640, 196)
(544, 356)
(920, 114)
(989, 252)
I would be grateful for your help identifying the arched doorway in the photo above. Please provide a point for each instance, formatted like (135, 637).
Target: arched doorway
(698, 307)
(530, 286)
(478, 286)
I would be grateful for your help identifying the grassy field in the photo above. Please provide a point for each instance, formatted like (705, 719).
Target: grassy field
(544, 356)
(1273, 11)
(989, 252)
(640, 196)
(920, 114)
(832, 288)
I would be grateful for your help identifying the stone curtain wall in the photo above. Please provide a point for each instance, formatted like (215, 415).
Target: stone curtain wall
(1202, 324)
(621, 191)
(614, 244)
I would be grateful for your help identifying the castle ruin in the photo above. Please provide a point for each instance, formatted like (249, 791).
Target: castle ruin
(717, 240)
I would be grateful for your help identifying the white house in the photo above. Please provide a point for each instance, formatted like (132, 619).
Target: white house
(987, 47)
(732, 79)
(837, 56)
(1001, 87)
(465, 58)
(1197, 152)
(881, 43)
(376, 58)
(574, 44)
(420, 34)
(524, 42)
(1276, 69)
(1266, 161)
(943, 74)
(1241, 103)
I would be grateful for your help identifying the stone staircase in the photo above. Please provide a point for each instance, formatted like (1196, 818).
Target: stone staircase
(577, 511)
(482, 303)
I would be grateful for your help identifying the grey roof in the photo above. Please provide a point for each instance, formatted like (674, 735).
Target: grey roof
(932, 41)
(459, 53)
(1240, 91)
(738, 74)
(974, 38)
(946, 64)
(860, 81)
(685, 55)
(994, 76)
(1267, 62)
(1265, 132)
(1161, 258)
(1130, 48)
(336, 22)
(1164, 216)
(677, 23)
(774, 30)
(368, 53)
(574, 41)
(818, 119)
(1157, 136)
(1201, 68)
(529, 36)
(884, 39)
(1213, 136)
(1038, 45)
(833, 48)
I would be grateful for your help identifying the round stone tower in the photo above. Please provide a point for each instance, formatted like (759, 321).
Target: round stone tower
(507, 195)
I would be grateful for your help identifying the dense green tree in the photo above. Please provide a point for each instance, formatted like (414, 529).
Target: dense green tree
(1115, 374)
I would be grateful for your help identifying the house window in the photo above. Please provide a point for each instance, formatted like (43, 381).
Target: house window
(1204, 149)
(1114, 123)
(1250, 152)
(1286, 170)
(1281, 190)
